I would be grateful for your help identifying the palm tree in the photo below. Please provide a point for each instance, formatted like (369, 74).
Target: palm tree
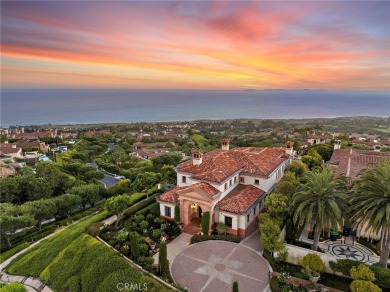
(370, 204)
(320, 201)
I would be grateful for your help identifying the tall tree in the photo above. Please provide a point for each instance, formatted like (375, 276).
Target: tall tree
(370, 204)
(163, 260)
(11, 219)
(277, 205)
(89, 194)
(65, 204)
(41, 210)
(117, 205)
(288, 184)
(320, 201)
(145, 181)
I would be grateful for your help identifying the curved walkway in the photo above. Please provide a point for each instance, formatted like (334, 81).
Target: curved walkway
(31, 284)
(215, 265)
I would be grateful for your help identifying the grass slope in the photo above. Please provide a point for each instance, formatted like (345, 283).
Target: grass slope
(75, 261)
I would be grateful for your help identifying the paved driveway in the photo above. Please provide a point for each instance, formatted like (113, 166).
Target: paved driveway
(109, 181)
(215, 265)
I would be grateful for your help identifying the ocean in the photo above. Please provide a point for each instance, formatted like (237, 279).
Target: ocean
(38, 107)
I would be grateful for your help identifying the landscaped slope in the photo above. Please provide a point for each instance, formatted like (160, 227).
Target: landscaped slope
(75, 261)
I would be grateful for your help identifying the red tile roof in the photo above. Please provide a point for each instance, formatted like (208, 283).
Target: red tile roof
(205, 188)
(218, 165)
(350, 161)
(325, 136)
(9, 150)
(172, 196)
(240, 199)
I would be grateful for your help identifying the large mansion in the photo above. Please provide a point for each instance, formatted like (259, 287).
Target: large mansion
(229, 184)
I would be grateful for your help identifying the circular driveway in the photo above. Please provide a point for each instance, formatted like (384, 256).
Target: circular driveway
(215, 265)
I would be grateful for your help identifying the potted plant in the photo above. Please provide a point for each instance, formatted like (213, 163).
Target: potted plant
(313, 266)
(152, 245)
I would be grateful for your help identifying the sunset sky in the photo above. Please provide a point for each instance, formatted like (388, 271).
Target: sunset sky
(196, 45)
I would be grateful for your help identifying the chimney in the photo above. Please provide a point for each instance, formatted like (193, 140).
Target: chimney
(289, 147)
(337, 144)
(197, 157)
(225, 144)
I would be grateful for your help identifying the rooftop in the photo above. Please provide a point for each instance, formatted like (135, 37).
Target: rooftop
(350, 161)
(218, 165)
(240, 200)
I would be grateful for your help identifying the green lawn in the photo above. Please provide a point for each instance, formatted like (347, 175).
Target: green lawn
(74, 261)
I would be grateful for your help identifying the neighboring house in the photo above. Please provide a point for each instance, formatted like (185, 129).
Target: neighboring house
(6, 171)
(35, 135)
(350, 162)
(13, 151)
(150, 153)
(319, 139)
(230, 184)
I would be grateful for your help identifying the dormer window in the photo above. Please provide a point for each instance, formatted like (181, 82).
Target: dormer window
(257, 182)
(183, 179)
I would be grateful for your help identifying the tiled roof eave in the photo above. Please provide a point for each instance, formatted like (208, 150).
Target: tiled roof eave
(243, 212)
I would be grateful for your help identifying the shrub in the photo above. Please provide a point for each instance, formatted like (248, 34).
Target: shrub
(134, 246)
(143, 248)
(361, 285)
(382, 276)
(139, 218)
(289, 231)
(145, 203)
(9, 253)
(205, 222)
(124, 250)
(362, 272)
(94, 229)
(200, 238)
(144, 224)
(177, 213)
(163, 261)
(313, 264)
(13, 287)
(221, 228)
(270, 259)
(274, 285)
(122, 235)
(235, 287)
(153, 209)
(156, 233)
(343, 266)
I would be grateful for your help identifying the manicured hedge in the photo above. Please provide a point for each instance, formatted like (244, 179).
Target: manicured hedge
(32, 235)
(344, 266)
(368, 244)
(147, 209)
(12, 287)
(36, 259)
(9, 253)
(143, 204)
(200, 238)
(382, 276)
(274, 285)
(268, 256)
(74, 261)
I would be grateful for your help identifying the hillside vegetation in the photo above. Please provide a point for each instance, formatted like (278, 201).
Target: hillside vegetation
(75, 261)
